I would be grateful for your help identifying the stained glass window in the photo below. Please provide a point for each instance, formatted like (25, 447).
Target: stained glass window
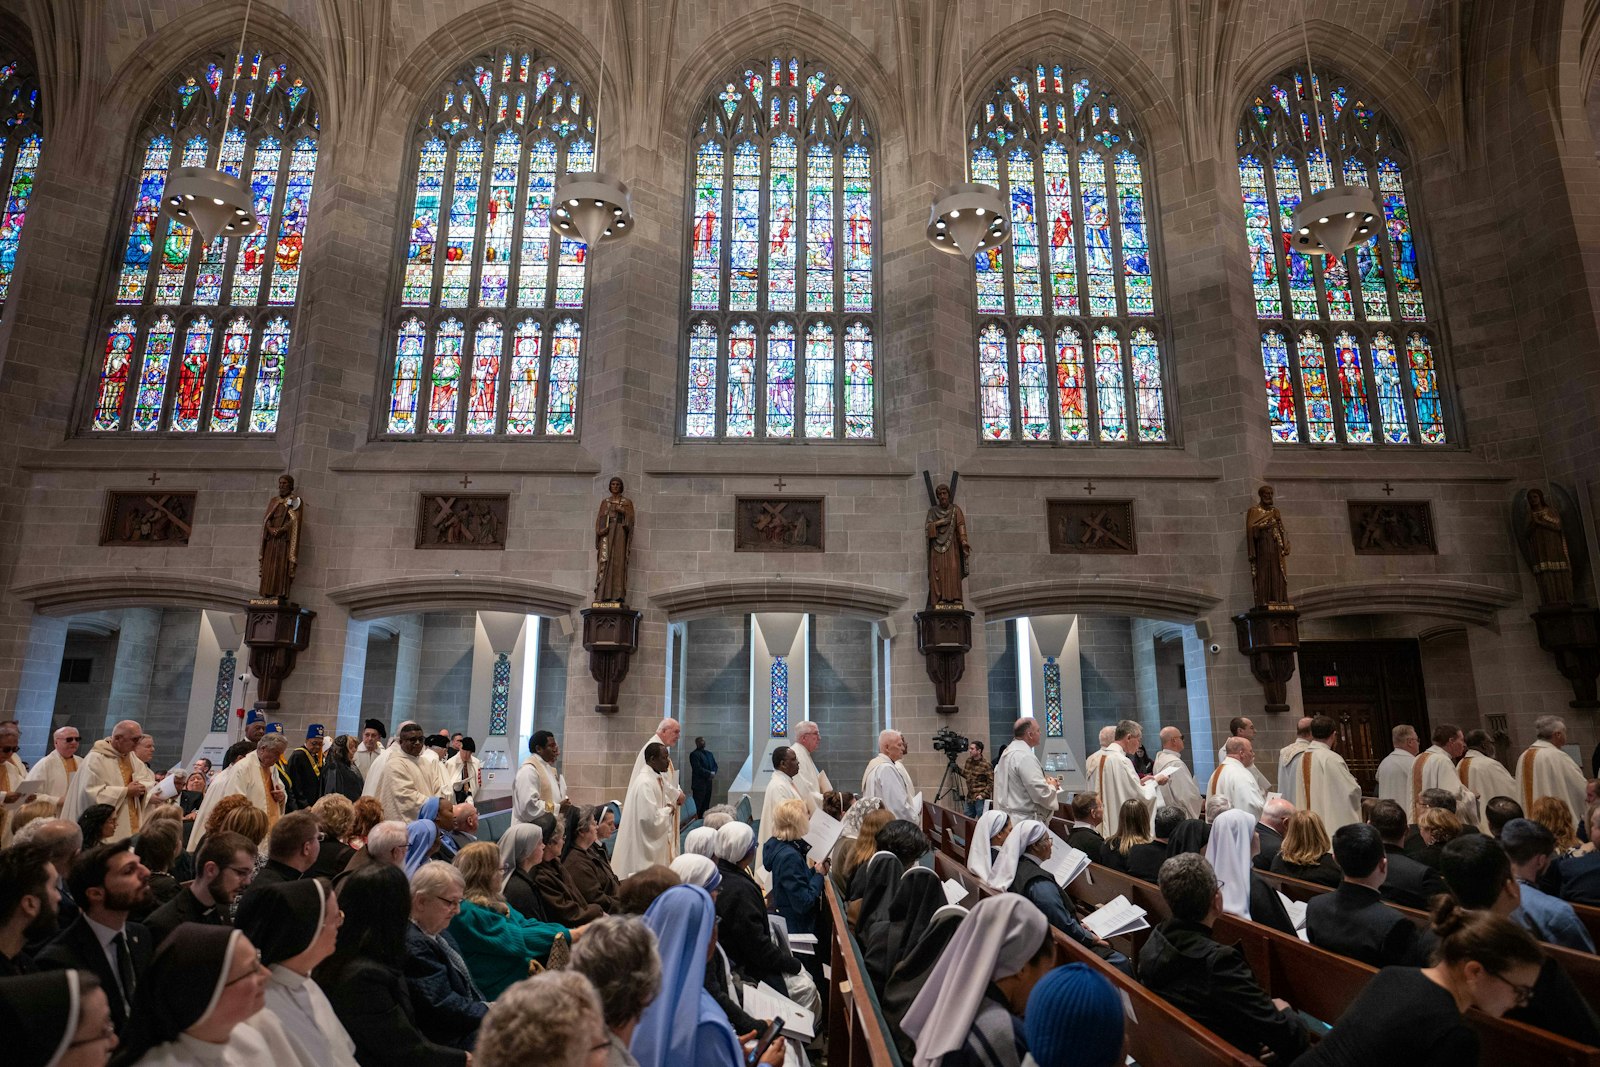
(489, 329)
(780, 698)
(21, 143)
(779, 342)
(1354, 379)
(1070, 345)
(203, 329)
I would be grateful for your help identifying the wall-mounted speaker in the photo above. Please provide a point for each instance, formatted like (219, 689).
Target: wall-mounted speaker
(1202, 629)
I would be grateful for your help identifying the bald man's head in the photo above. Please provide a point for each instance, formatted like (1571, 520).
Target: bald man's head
(1240, 749)
(892, 743)
(1172, 739)
(668, 731)
(1276, 813)
(1302, 729)
(1108, 734)
(125, 735)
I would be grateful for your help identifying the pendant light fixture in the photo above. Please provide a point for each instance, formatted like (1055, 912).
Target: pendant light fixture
(214, 202)
(592, 203)
(1336, 219)
(969, 217)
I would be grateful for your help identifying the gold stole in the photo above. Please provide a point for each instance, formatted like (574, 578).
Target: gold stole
(273, 813)
(1525, 772)
(1305, 777)
(70, 763)
(1211, 789)
(125, 765)
(547, 785)
(1461, 771)
(1416, 784)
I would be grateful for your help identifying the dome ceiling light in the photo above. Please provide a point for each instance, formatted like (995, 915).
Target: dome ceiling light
(969, 217)
(594, 204)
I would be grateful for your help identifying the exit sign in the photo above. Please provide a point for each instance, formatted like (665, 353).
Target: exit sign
(1330, 681)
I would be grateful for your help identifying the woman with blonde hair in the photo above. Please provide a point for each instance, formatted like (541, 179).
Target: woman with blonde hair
(499, 945)
(334, 815)
(1554, 815)
(796, 882)
(863, 849)
(247, 819)
(1306, 853)
(1437, 828)
(1133, 828)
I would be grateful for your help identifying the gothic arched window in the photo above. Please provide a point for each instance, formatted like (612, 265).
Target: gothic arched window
(1350, 345)
(198, 335)
(21, 142)
(782, 276)
(1069, 337)
(488, 330)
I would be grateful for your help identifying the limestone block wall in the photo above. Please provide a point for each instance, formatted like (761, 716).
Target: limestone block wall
(843, 698)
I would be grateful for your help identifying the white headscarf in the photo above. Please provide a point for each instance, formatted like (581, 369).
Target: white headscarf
(1024, 834)
(1229, 852)
(516, 845)
(990, 823)
(701, 841)
(996, 940)
(734, 842)
(693, 869)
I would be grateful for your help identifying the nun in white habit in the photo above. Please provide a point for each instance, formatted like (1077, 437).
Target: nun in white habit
(1230, 849)
(974, 998)
(990, 823)
(295, 926)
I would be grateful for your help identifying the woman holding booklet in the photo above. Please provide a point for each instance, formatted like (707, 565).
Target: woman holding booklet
(1021, 870)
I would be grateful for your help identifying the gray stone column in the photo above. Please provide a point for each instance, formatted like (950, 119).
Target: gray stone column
(136, 658)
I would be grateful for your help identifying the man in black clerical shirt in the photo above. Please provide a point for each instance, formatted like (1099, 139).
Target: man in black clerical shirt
(1409, 883)
(1208, 981)
(1269, 831)
(223, 868)
(1353, 920)
(29, 903)
(292, 849)
(1087, 813)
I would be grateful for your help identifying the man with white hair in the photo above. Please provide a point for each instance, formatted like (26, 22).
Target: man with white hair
(1118, 781)
(1021, 788)
(1394, 773)
(252, 778)
(666, 735)
(112, 774)
(886, 778)
(812, 780)
(1546, 771)
(1319, 780)
(1232, 778)
(60, 766)
(1091, 766)
(1269, 831)
(1216, 805)
(1180, 790)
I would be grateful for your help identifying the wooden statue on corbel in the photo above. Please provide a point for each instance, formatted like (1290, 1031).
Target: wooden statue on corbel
(1269, 633)
(1569, 629)
(610, 627)
(276, 629)
(944, 627)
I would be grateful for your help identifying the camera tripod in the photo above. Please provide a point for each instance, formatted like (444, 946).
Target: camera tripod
(953, 776)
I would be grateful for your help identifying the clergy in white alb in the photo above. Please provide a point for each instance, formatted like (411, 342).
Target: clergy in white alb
(647, 833)
(1546, 771)
(666, 736)
(1117, 779)
(1233, 781)
(1394, 772)
(1021, 788)
(812, 781)
(59, 767)
(780, 787)
(12, 774)
(1242, 726)
(251, 777)
(1435, 768)
(1091, 766)
(539, 787)
(112, 774)
(1320, 781)
(1481, 772)
(1301, 742)
(887, 779)
(371, 746)
(463, 772)
(406, 780)
(1180, 790)
(374, 772)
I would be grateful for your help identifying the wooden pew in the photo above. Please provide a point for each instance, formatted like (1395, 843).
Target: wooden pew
(1589, 915)
(858, 1036)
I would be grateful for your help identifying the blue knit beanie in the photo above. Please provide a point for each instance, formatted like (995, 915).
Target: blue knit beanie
(1074, 1019)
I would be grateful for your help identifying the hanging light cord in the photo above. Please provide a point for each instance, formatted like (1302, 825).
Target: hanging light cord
(600, 97)
(233, 89)
(1316, 90)
(961, 94)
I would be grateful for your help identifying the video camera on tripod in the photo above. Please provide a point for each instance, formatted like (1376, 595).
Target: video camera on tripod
(950, 743)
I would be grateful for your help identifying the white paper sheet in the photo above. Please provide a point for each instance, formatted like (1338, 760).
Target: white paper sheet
(167, 788)
(1127, 1007)
(822, 835)
(764, 1002)
(916, 804)
(954, 891)
(30, 784)
(1296, 910)
(1065, 862)
(1116, 917)
(803, 944)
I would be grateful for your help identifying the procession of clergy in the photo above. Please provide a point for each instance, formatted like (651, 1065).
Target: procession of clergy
(416, 778)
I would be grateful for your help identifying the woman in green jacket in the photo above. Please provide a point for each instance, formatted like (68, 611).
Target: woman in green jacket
(498, 944)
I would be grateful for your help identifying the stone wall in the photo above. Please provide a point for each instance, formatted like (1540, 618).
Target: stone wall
(716, 696)
(843, 701)
(81, 705)
(1105, 649)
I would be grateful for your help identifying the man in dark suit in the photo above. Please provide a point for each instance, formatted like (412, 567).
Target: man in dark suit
(1353, 920)
(1082, 835)
(108, 882)
(1409, 883)
(224, 866)
(1274, 817)
(292, 849)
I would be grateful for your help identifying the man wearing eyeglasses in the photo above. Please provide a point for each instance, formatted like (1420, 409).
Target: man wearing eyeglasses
(223, 870)
(449, 1004)
(407, 781)
(60, 766)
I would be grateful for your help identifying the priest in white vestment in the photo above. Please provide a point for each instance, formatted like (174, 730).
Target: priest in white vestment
(252, 777)
(539, 787)
(666, 736)
(1546, 771)
(1320, 781)
(1021, 788)
(648, 831)
(1481, 772)
(1394, 772)
(1301, 742)
(1118, 781)
(1180, 790)
(1233, 781)
(1091, 766)
(1242, 726)
(374, 773)
(1435, 768)
(887, 779)
(406, 780)
(59, 767)
(782, 786)
(112, 774)
(811, 780)
(371, 746)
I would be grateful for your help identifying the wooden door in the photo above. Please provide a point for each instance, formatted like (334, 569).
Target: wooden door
(1368, 688)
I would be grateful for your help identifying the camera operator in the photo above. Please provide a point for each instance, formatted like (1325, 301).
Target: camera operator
(977, 774)
(1021, 788)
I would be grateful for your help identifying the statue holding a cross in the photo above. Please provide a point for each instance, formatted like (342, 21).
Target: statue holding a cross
(949, 553)
(613, 536)
(280, 540)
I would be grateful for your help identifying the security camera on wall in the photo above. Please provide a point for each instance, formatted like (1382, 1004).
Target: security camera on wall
(1216, 649)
